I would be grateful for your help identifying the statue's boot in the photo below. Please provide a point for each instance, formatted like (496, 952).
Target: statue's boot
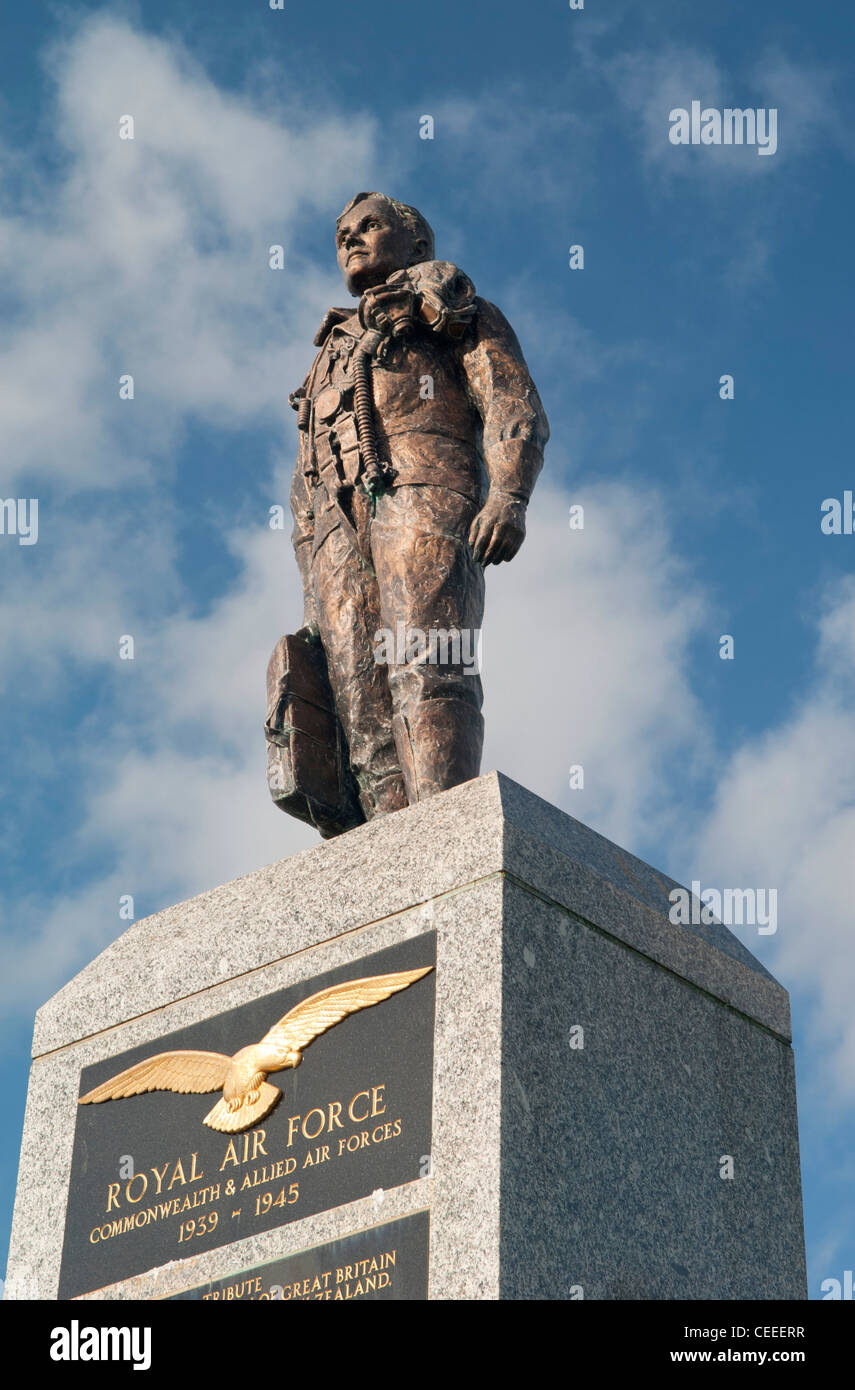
(439, 745)
(384, 794)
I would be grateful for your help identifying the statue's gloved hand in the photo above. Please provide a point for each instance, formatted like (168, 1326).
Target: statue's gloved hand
(389, 309)
(498, 530)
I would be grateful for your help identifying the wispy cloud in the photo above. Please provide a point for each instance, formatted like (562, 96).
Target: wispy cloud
(784, 816)
(149, 256)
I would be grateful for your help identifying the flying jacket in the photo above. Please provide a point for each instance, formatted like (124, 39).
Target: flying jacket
(454, 403)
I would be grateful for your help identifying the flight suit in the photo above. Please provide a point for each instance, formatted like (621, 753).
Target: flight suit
(455, 412)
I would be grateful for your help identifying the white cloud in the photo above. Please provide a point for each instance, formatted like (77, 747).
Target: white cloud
(651, 82)
(149, 256)
(586, 658)
(185, 806)
(784, 817)
(809, 101)
(585, 651)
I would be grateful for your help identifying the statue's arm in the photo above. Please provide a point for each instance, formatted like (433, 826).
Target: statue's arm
(515, 432)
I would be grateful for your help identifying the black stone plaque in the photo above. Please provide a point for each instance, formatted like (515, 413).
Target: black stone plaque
(387, 1262)
(150, 1183)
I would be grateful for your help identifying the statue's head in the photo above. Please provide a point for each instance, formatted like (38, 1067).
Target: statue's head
(376, 236)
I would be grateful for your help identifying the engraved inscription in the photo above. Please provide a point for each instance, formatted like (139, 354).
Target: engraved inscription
(151, 1183)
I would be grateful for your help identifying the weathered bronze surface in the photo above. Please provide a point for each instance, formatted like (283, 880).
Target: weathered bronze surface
(421, 437)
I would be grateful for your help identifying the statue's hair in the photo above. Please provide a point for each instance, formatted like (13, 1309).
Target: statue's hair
(410, 218)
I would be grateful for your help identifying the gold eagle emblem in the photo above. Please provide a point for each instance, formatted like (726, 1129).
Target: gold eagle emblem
(247, 1095)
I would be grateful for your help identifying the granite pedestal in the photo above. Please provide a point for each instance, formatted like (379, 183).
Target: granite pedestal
(572, 1085)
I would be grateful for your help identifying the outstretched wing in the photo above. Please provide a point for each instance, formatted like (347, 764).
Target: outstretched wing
(323, 1010)
(167, 1071)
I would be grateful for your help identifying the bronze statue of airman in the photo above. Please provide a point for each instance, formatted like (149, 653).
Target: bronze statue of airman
(421, 437)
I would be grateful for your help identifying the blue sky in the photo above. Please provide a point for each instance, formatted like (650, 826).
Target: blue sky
(601, 648)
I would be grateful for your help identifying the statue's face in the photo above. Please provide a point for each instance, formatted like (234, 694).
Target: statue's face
(371, 244)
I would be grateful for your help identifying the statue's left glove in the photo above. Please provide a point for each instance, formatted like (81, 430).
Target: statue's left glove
(498, 530)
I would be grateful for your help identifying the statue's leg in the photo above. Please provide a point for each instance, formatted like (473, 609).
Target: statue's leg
(348, 605)
(430, 585)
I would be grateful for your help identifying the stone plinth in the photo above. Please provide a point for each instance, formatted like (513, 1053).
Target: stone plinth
(593, 1067)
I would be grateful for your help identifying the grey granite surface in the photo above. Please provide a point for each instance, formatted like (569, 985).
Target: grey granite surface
(555, 1169)
(618, 1145)
(466, 1115)
(488, 826)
